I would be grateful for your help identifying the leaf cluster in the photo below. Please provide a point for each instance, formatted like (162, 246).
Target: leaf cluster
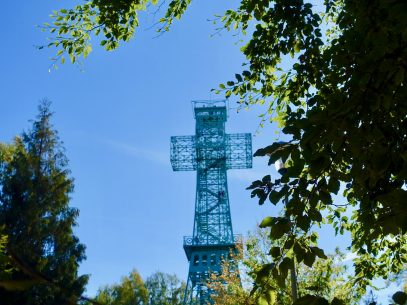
(343, 106)
(115, 21)
(328, 279)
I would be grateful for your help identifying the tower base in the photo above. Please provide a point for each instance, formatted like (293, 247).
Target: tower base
(205, 260)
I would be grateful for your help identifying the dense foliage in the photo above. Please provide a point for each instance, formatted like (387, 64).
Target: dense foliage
(343, 106)
(164, 289)
(131, 290)
(158, 289)
(333, 75)
(5, 264)
(328, 278)
(36, 220)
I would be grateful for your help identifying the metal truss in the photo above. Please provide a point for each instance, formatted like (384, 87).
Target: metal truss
(211, 152)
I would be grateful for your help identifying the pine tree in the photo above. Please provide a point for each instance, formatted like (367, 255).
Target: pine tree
(35, 188)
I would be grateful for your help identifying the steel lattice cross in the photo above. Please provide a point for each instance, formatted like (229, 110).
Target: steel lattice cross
(211, 152)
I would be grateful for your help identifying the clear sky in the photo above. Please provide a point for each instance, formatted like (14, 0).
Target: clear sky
(116, 118)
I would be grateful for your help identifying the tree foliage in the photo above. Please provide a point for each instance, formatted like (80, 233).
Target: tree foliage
(343, 106)
(130, 291)
(158, 289)
(328, 278)
(5, 264)
(114, 20)
(164, 289)
(333, 76)
(35, 217)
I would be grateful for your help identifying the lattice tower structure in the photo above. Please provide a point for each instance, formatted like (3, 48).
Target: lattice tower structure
(210, 152)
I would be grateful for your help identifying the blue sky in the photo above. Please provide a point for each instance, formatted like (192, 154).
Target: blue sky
(116, 118)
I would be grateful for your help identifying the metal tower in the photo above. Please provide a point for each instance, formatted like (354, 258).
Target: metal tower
(211, 152)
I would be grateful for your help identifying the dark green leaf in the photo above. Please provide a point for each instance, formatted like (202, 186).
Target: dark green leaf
(275, 252)
(400, 298)
(309, 259)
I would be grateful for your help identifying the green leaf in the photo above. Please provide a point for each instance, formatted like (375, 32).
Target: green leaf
(299, 252)
(264, 273)
(280, 227)
(275, 197)
(246, 73)
(303, 222)
(275, 252)
(333, 185)
(297, 47)
(276, 151)
(325, 197)
(262, 300)
(285, 266)
(267, 222)
(318, 252)
(400, 298)
(309, 259)
(315, 215)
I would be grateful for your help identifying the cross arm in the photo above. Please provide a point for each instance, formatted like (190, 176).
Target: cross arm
(239, 151)
(183, 153)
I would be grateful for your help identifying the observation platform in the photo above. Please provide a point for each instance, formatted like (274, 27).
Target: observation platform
(193, 244)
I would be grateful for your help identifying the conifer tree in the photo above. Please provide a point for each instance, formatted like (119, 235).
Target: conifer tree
(35, 188)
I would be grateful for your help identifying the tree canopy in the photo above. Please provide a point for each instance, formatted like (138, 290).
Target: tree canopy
(158, 289)
(36, 221)
(328, 278)
(131, 290)
(164, 289)
(333, 76)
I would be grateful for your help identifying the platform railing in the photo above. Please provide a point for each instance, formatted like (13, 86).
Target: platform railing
(194, 241)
